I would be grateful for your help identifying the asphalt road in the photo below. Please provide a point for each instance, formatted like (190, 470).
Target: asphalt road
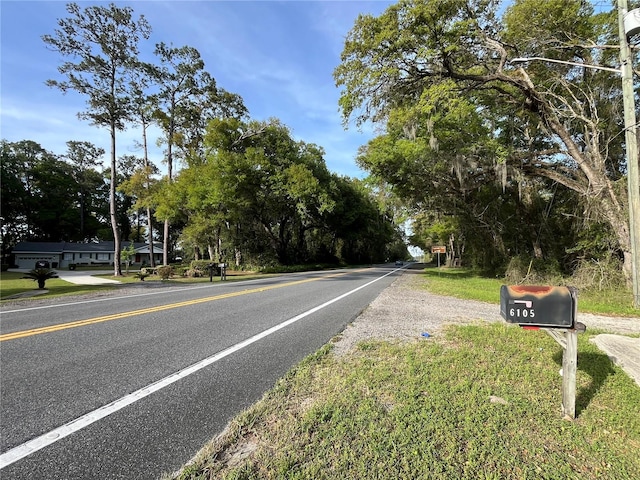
(132, 386)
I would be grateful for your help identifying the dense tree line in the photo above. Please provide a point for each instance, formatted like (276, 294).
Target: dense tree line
(234, 189)
(258, 197)
(54, 198)
(261, 195)
(48, 198)
(497, 160)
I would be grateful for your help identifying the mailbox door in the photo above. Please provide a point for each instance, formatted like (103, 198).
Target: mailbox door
(541, 306)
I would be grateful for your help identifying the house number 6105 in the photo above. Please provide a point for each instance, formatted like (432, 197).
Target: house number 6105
(522, 313)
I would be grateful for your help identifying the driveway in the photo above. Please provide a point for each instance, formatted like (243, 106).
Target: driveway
(79, 277)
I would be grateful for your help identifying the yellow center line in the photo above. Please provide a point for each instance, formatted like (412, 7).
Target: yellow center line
(160, 308)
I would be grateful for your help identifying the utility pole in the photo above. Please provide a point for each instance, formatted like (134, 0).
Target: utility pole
(631, 140)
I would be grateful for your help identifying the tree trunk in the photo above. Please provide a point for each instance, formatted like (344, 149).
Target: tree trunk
(451, 252)
(152, 260)
(112, 206)
(165, 244)
(82, 212)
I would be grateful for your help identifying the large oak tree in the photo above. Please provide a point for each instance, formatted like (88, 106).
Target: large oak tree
(556, 122)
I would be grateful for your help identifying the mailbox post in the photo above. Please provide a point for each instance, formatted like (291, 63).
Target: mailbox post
(554, 309)
(223, 271)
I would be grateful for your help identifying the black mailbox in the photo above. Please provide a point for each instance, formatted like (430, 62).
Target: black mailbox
(539, 306)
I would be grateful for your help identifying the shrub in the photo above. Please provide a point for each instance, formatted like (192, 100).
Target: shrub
(41, 275)
(191, 273)
(533, 271)
(601, 274)
(142, 274)
(165, 272)
(200, 268)
(180, 270)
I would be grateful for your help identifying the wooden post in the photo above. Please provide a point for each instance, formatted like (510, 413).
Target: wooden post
(569, 344)
(568, 340)
(569, 369)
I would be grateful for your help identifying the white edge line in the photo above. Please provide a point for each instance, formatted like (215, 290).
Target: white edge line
(32, 446)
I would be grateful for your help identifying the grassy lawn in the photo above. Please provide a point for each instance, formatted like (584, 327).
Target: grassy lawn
(12, 283)
(478, 402)
(463, 283)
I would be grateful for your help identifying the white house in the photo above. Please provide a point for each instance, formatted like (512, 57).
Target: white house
(63, 254)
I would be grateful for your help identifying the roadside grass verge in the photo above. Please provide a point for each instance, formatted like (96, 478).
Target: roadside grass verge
(474, 402)
(464, 283)
(12, 283)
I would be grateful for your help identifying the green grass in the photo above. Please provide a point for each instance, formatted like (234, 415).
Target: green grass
(423, 410)
(12, 283)
(464, 283)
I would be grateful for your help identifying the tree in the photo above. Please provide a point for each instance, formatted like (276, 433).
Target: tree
(18, 161)
(362, 232)
(41, 196)
(262, 196)
(84, 157)
(102, 43)
(188, 99)
(555, 122)
(141, 186)
(56, 191)
(180, 77)
(144, 106)
(128, 254)
(41, 275)
(127, 207)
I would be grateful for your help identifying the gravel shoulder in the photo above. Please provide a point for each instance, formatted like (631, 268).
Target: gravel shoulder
(404, 312)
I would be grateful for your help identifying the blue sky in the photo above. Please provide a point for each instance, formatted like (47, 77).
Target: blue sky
(278, 55)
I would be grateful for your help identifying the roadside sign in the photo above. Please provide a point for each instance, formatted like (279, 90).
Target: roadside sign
(438, 249)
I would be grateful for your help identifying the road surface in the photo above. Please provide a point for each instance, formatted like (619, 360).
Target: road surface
(132, 386)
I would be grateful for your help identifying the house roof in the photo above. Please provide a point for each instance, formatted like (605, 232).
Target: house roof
(157, 248)
(39, 247)
(70, 247)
